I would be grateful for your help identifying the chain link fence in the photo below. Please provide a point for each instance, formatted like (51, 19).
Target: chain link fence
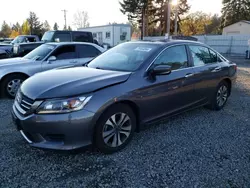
(236, 45)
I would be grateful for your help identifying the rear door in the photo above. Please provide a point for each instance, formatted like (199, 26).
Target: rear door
(66, 56)
(208, 69)
(86, 53)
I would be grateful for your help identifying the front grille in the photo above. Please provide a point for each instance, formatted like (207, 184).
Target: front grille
(23, 103)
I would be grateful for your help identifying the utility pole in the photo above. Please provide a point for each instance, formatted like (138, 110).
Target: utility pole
(176, 20)
(168, 18)
(65, 18)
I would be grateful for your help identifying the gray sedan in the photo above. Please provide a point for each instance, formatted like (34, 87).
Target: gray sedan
(48, 56)
(121, 90)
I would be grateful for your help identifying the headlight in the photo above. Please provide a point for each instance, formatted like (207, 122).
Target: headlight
(63, 105)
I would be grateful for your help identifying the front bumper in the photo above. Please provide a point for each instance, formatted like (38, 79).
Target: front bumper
(56, 131)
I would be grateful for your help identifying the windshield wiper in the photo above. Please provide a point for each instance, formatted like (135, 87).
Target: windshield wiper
(99, 68)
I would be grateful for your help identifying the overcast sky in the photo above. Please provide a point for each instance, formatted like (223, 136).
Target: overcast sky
(100, 11)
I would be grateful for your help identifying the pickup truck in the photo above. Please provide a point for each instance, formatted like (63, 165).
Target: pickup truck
(6, 50)
(48, 56)
(20, 50)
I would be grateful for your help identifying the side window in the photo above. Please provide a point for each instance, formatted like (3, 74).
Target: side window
(85, 51)
(214, 57)
(63, 37)
(65, 52)
(176, 57)
(107, 35)
(201, 55)
(31, 39)
(82, 37)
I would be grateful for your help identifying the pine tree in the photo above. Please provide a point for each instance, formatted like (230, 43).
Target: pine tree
(152, 13)
(16, 27)
(234, 11)
(55, 27)
(46, 26)
(135, 10)
(5, 30)
(35, 25)
(161, 13)
(215, 26)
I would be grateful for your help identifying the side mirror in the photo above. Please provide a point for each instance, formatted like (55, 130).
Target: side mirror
(52, 58)
(161, 70)
(57, 40)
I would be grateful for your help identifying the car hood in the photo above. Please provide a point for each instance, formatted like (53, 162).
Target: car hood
(13, 61)
(70, 82)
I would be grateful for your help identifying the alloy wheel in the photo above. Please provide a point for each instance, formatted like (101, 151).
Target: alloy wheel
(13, 86)
(222, 95)
(117, 130)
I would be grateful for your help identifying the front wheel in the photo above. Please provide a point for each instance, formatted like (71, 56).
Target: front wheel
(115, 128)
(11, 84)
(220, 97)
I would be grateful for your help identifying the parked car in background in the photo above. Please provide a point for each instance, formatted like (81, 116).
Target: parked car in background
(7, 40)
(21, 50)
(47, 56)
(6, 49)
(127, 86)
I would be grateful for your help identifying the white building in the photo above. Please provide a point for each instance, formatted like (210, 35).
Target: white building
(239, 28)
(112, 34)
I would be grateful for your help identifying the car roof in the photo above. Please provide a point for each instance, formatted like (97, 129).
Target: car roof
(169, 42)
(68, 43)
(27, 36)
(63, 31)
(57, 44)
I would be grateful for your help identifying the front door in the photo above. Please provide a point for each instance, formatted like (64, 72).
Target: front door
(166, 94)
(65, 56)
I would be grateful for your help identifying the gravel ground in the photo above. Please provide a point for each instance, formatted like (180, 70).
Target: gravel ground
(200, 148)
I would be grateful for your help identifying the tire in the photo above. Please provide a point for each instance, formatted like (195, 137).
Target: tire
(224, 94)
(6, 83)
(105, 128)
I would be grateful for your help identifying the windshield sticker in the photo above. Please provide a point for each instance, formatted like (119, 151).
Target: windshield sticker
(142, 49)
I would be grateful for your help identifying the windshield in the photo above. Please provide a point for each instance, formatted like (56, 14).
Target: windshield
(124, 57)
(47, 37)
(40, 52)
(17, 40)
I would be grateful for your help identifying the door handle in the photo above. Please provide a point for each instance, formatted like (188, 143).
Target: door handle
(73, 61)
(189, 75)
(217, 69)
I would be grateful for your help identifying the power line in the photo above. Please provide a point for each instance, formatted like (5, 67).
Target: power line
(65, 17)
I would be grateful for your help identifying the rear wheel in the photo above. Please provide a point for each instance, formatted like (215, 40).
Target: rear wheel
(220, 97)
(115, 129)
(11, 84)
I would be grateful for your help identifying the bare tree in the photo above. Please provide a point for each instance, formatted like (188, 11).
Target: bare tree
(81, 19)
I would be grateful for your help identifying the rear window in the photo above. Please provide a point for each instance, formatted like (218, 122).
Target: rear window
(82, 37)
(62, 37)
(48, 36)
(86, 51)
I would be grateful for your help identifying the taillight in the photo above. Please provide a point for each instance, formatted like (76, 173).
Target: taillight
(235, 67)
